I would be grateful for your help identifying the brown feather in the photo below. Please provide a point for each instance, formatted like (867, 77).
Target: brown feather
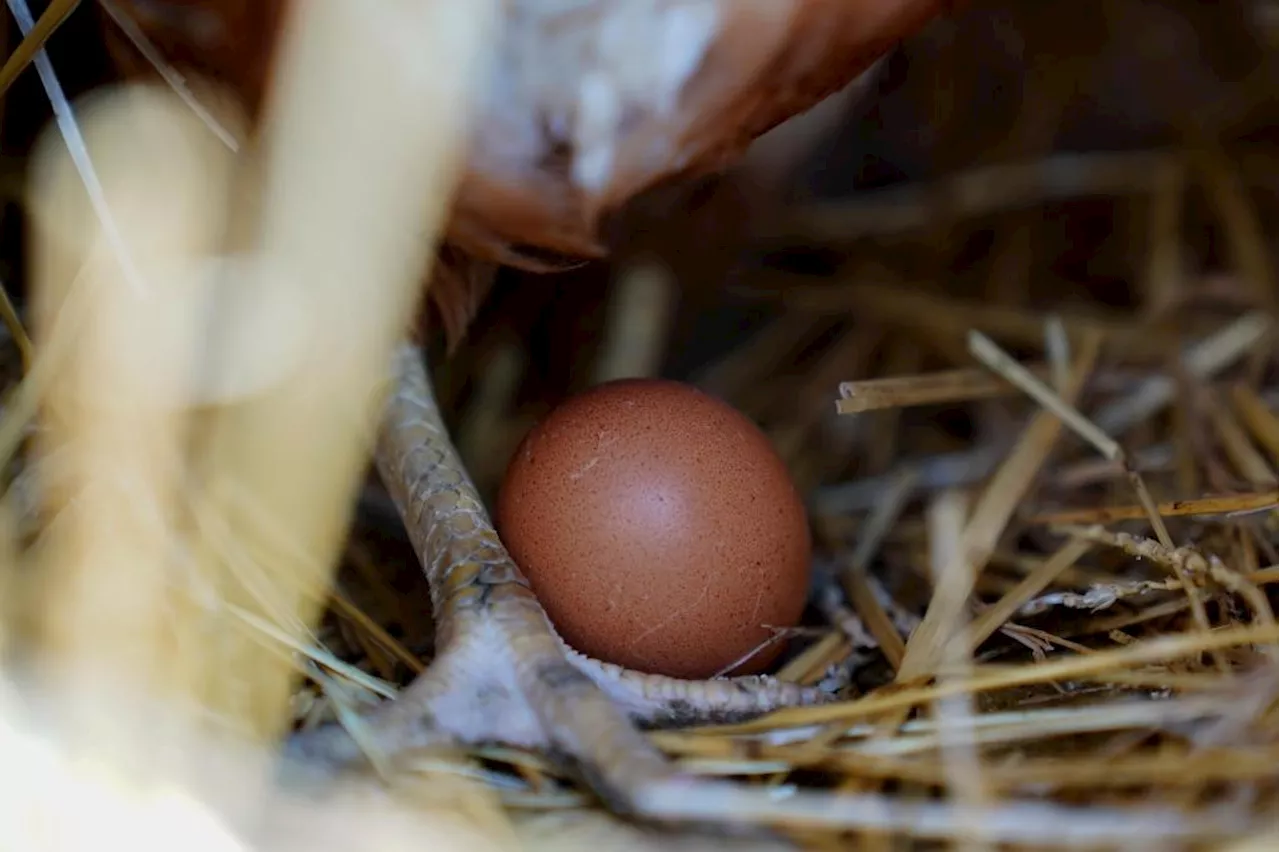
(459, 284)
(590, 105)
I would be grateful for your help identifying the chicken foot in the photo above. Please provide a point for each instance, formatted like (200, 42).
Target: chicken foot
(502, 673)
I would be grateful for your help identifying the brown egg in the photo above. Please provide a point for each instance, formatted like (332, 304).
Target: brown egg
(659, 529)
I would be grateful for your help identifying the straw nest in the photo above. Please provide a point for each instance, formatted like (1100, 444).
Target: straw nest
(1028, 384)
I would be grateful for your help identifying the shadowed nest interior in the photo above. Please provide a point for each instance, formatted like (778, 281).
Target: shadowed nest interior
(1010, 319)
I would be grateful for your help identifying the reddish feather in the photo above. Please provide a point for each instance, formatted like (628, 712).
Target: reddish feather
(766, 61)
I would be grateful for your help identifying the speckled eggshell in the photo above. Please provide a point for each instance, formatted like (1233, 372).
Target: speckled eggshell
(658, 528)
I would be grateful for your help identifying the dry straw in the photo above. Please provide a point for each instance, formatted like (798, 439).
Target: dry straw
(1058, 631)
(191, 536)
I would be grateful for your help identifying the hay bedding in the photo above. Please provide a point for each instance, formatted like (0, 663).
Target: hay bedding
(1029, 385)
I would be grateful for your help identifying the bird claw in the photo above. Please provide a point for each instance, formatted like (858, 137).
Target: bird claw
(502, 673)
(656, 701)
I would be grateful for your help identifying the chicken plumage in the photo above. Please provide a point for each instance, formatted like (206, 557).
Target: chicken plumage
(588, 104)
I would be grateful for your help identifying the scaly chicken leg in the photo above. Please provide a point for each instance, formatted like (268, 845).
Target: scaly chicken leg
(502, 673)
(588, 103)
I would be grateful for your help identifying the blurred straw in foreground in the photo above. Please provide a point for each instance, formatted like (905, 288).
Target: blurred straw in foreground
(205, 421)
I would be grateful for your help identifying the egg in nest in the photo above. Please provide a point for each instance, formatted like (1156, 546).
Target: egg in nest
(659, 529)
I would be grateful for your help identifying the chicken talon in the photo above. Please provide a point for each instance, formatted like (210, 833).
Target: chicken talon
(503, 674)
